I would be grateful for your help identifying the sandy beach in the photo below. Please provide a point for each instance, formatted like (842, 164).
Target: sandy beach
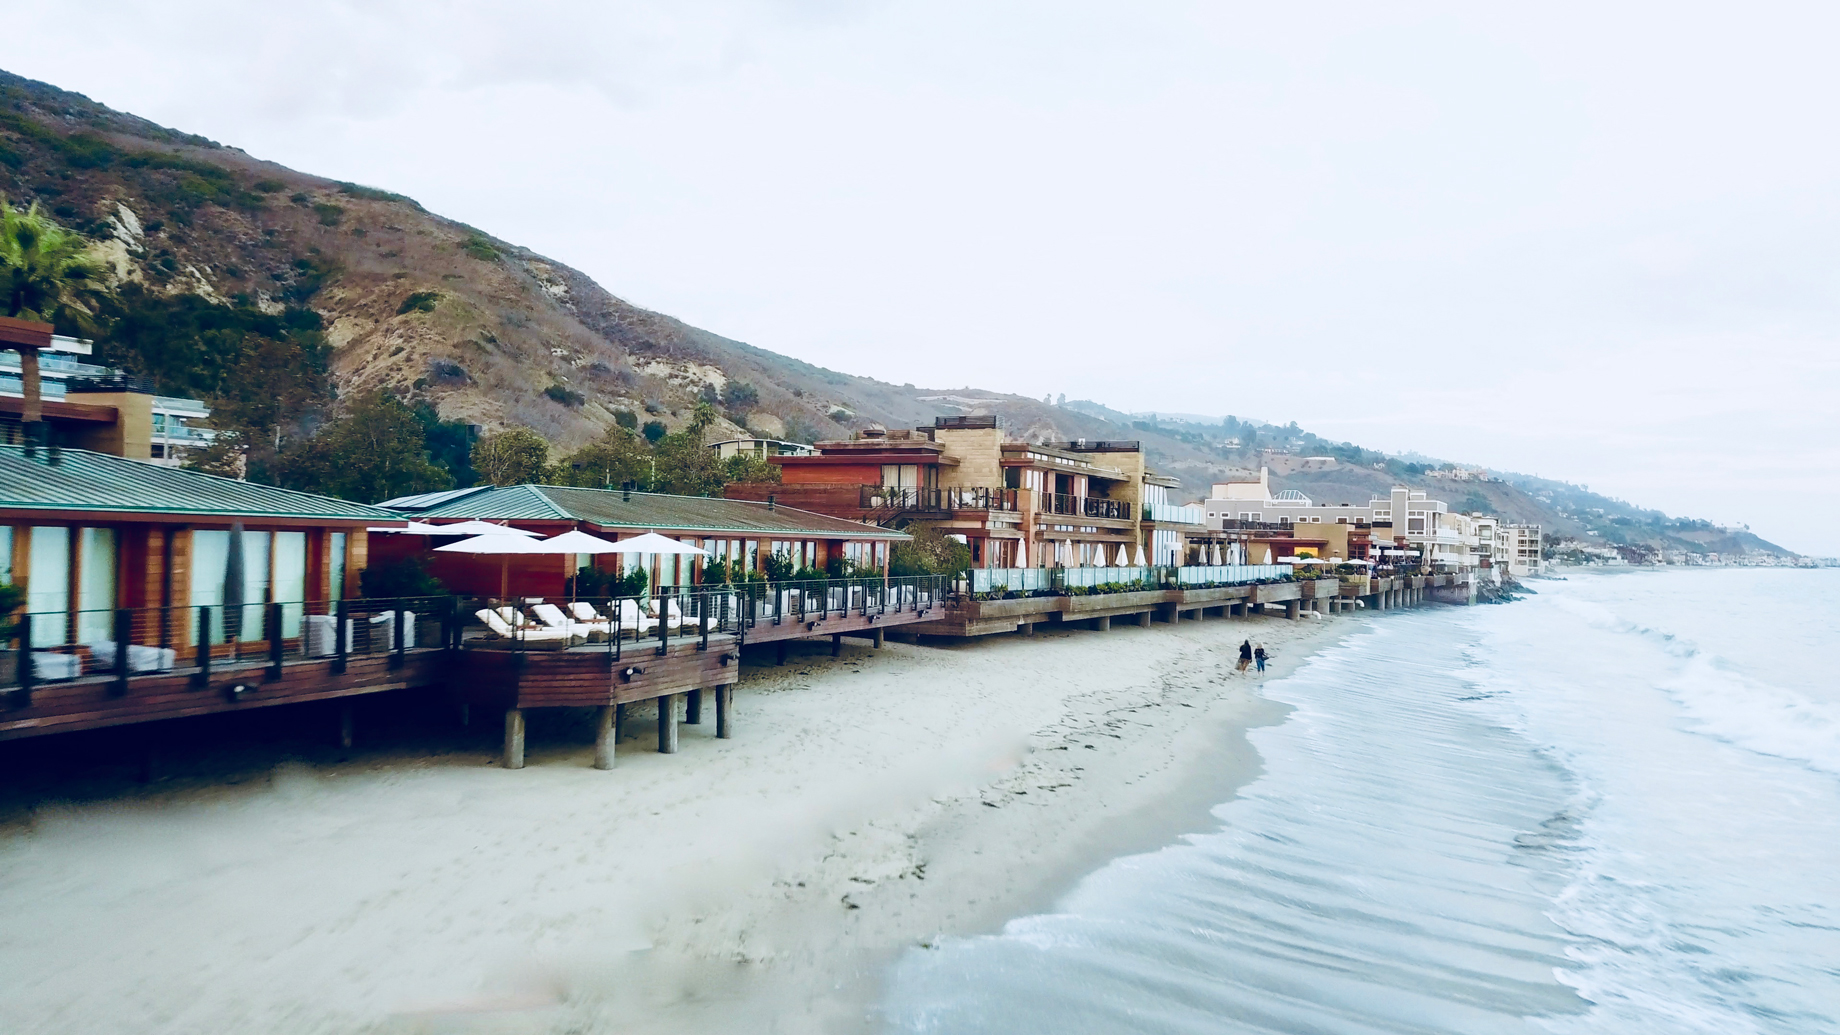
(761, 884)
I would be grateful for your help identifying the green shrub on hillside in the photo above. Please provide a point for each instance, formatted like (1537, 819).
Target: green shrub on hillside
(329, 214)
(419, 302)
(480, 248)
(566, 396)
(270, 186)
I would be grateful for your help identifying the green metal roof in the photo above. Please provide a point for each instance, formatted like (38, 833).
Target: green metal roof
(87, 481)
(613, 508)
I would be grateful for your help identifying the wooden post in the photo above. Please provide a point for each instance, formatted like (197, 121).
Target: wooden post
(604, 738)
(782, 653)
(346, 726)
(667, 724)
(514, 738)
(124, 635)
(619, 722)
(880, 635)
(693, 707)
(836, 644)
(725, 711)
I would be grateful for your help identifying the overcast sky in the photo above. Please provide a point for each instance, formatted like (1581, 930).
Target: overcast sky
(1589, 242)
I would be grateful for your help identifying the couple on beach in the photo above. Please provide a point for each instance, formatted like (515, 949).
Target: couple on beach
(1249, 654)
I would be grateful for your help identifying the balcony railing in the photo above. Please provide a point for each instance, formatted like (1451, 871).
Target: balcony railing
(874, 497)
(1084, 506)
(987, 583)
(1174, 514)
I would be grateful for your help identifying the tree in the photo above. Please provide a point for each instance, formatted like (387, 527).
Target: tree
(618, 456)
(740, 396)
(655, 430)
(931, 552)
(516, 456)
(374, 452)
(686, 467)
(47, 279)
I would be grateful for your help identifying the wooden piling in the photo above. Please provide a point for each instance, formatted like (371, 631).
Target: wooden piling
(693, 707)
(604, 737)
(836, 645)
(514, 738)
(880, 634)
(725, 710)
(667, 724)
(346, 724)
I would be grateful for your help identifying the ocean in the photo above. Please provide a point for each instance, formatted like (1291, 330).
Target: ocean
(1613, 806)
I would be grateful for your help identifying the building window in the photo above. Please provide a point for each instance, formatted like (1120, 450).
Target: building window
(95, 584)
(335, 569)
(48, 584)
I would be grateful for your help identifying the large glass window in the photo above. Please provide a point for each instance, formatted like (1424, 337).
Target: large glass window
(6, 554)
(335, 570)
(210, 553)
(48, 584)
(95, 584)
(290, 579)
(255, 584)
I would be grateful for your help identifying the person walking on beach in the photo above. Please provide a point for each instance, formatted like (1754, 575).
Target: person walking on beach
(1245, 655)
(1260, 656)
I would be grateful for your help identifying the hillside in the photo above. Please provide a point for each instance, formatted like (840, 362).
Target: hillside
(487, 332)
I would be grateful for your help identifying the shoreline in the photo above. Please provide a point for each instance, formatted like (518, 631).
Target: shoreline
(869, 803)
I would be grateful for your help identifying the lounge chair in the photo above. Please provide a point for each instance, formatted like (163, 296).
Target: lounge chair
(386, 620)
(676, 619)
(505, 631)
(48, 664)
(634, 620)
(554, 618)
(140, 659)
(319, 634)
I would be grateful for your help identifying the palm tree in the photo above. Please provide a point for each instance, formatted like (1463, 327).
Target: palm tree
(45, 277)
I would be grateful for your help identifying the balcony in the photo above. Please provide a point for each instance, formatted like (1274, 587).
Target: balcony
(1083, 506)
(882, 497)
(1176, 515)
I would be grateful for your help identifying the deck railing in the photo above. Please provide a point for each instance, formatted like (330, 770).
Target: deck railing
(986, 583)
(126, 644)
(883, 497)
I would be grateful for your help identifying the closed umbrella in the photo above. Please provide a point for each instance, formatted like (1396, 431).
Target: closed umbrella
(1217, 555)
(1140, 555)
(233, 586)
(1124, 556)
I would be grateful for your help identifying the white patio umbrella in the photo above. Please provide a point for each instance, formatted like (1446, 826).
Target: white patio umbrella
(476, 527)
(1140, 555)
(1022, 553)
(412, 528)
(652, 543)
(502, 545)
(578, 541)
(1124, 557)
(1098, 555)
(1217, 560)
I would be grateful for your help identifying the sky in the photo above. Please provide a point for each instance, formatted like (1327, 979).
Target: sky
(1586, 241)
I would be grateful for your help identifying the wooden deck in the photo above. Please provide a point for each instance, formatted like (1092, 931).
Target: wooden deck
(93, 702)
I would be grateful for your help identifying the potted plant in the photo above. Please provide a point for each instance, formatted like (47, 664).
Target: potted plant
(11, 597)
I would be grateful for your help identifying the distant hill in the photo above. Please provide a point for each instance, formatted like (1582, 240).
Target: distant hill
(489, 332)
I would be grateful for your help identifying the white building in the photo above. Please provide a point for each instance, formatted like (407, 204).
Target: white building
(177, 422)
(760, 448)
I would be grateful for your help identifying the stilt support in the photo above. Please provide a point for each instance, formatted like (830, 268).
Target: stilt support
(1103, 624)
(345, 726)
(693, 707)
(782, 653)
(836, 644)
(1026, 628)
(880, 636)
(514, 738)
(604, 737)
(667, 724)
(1291, 609)
(725, 711)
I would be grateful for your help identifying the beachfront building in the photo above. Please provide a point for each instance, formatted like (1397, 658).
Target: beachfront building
(88, 533)
(89, 406)
(759, 448)
(1518, 547)
(740, 534)
(1406, 526)
(1014, 504)
(1171, 531)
